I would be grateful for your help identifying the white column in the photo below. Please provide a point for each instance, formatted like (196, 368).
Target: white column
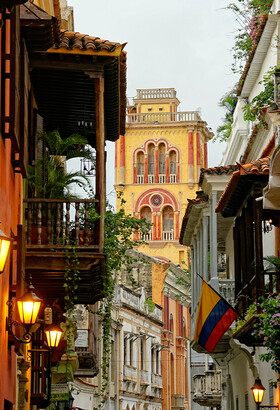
(205, 223)
(213, 243)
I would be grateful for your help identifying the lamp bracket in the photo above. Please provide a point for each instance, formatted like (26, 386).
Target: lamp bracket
(27, 337)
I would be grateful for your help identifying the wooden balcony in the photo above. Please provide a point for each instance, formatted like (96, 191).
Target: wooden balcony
(208, 389)
(51, 228)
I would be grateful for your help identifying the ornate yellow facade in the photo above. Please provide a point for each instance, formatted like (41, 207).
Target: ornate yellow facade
(157, 166)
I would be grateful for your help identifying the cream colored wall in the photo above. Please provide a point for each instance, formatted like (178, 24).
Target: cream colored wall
(46, 5)
(155, 108)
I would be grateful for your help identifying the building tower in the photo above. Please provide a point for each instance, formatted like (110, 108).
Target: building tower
(157, 166)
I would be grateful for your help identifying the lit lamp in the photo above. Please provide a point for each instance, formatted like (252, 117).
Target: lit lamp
(5, 243)
(258, 391)
(53, 335)
(28, 309)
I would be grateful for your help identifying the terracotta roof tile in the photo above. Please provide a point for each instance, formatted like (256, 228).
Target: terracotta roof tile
(226, 170)
(73, 40)
(200, 201)
(259, 167)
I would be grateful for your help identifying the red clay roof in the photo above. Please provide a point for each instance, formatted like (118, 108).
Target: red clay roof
(226, 170)
(259, 167)
(73, 40)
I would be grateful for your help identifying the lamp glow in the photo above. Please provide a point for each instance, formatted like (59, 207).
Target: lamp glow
(258, 391)
(53, 335)
(5, 243)
(28, 307)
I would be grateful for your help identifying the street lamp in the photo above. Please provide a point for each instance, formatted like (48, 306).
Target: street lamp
(53, 335)
(28, 308)
(5, 243)
(258, 391)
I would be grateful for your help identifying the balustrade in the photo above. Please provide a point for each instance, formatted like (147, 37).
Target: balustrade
(227, 290)
(56, 223)
(130, 372)
(156, 93)
(207, 388)
(168, 235)
(147, 236)
(140, 179)
(173, 178)
(163, 117)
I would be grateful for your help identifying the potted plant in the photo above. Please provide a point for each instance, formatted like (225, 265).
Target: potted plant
(48, 178)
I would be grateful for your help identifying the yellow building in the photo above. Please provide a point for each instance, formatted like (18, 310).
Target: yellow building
(157, 166)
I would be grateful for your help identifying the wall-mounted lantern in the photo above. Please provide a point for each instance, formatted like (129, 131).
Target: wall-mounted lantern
(28, 308)
(5, 243)
(258, 391)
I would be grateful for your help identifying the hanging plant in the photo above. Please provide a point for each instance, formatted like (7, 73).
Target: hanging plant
(268, 328)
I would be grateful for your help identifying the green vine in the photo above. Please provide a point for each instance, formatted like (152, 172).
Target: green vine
(71, 278)
(249, 15)
(120, 235)
(253, 111)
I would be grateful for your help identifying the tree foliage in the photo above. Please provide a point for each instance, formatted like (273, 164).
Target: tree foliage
(228, 103)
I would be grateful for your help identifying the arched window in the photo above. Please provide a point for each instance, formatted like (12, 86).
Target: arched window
(161, 164)
(172, 167)
(146, 213)
(140, 168)
(167, 224)
(151, 164)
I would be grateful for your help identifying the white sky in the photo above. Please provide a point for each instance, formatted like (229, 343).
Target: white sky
(181, 44)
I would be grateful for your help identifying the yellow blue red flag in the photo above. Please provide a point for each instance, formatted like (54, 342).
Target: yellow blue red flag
(214, 317)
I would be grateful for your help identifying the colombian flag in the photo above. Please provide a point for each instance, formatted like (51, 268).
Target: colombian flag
(214, 317)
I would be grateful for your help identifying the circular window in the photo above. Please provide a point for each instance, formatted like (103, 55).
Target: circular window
(156, 200)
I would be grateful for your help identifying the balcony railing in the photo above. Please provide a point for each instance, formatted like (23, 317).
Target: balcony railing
(227, 289)
(129, 372)
(140, 179)
(177, 401)
(156, 93)
(52, 227)
(163, 117)
(168, 235)
(147, 236)
(157, 380)
(57, 223)
(173, 178)
(208, 388)
(145, 377)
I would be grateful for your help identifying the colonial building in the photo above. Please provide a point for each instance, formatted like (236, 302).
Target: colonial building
(239, 201)
(157, 163)
(149, 367)
(42, 67)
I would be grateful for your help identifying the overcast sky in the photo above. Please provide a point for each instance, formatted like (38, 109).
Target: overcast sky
(181, 44)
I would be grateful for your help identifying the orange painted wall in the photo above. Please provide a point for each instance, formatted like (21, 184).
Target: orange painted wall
(174, 358)
(10, 211)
